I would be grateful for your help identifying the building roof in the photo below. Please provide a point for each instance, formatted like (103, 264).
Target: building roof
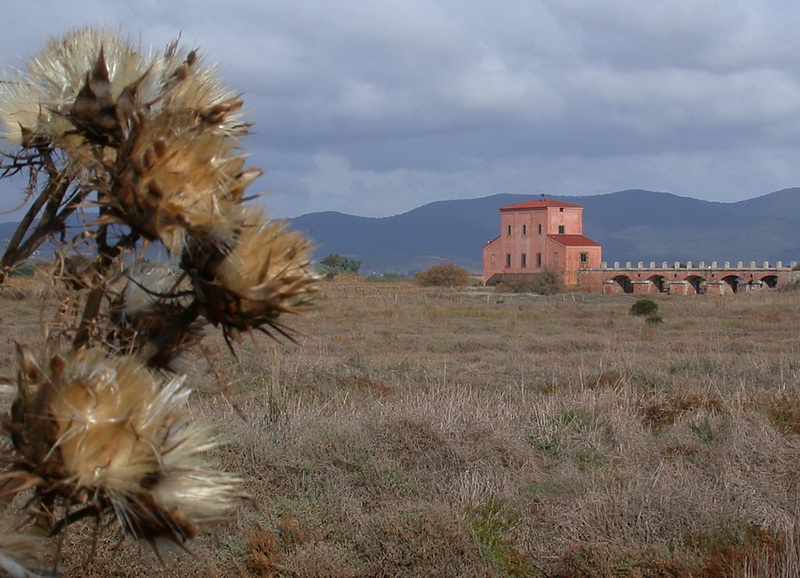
(574, 241)
(538, 204)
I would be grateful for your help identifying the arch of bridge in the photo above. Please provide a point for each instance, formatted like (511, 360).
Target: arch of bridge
(687, 274)
(697, 279)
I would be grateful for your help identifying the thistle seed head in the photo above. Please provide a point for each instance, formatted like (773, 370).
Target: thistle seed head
(265, 274)
(22, 113)
(20, 555)
(100, 431)
(96, 81)
(179, 180)
(148, 288)
(56, 78)
(154, 319)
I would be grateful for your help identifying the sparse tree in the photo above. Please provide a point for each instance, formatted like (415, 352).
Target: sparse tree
(151, 144)
(334, 264)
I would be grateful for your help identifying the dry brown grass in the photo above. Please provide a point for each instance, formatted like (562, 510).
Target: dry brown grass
(463, 433)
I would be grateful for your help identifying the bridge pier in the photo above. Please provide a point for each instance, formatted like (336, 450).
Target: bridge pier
(678, 288)
(753, 286)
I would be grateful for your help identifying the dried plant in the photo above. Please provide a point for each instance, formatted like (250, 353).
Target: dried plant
(146, 148)
(99, 433)
(20, 555)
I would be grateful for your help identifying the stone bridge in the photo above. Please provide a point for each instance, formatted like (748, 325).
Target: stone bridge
(688, 278)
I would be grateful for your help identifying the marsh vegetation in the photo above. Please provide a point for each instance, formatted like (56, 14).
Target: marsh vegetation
(458, 432)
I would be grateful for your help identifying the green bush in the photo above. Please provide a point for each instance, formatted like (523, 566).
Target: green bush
(444, 275)
(644, 307)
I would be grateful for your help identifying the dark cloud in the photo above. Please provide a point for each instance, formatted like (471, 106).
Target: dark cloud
(376, 107)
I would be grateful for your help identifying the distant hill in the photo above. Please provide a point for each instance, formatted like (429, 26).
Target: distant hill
(633, 225)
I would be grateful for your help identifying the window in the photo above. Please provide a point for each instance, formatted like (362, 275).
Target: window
(524, 230)
(538, 259)
(561, 229)
(508, 231)
(492, 258)
(508, 260)
(540, 229)
(555, 258)
(584, 258)
(561, 209)
(523, 260)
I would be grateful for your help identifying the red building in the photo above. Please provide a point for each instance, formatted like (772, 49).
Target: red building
(535, 235)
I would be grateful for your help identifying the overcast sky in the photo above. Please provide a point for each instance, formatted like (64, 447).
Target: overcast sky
(375, 107)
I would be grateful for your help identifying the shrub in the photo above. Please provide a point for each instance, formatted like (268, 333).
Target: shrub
(546, 282)
(645, 307)
(444, 275)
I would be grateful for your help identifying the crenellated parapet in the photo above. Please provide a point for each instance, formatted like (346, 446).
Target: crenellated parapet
(688, 278)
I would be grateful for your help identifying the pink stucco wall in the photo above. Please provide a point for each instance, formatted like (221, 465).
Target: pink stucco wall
(529, 241)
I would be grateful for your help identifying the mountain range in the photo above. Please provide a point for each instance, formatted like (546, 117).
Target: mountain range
(633, 225)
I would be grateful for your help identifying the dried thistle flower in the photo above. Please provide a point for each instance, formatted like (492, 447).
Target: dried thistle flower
(22, 112)
(153, 142)
(178, 179)
(55, 79)
(157, 139)
(267, 273)
(187, 86)
(91, 66)
(20, 555)
(153, 318)
(98, 433)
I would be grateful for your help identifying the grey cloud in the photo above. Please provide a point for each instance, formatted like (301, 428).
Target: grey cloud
(433, 99)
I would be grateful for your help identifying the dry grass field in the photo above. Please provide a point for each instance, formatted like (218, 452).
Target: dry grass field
(431, 432)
